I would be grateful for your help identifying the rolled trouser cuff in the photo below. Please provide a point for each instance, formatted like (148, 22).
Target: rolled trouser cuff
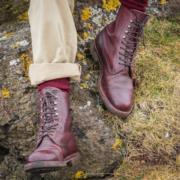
(39, 73)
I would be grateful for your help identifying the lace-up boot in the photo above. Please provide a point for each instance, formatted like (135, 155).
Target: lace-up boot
(114, 48)
(56, 144)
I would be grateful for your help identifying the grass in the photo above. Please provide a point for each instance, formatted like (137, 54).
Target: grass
(152, 132)
(130, 171)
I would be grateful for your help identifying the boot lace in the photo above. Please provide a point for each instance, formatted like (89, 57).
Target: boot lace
(130, 41)
(49, 114)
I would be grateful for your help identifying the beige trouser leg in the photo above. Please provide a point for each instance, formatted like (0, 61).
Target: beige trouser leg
(54, 41)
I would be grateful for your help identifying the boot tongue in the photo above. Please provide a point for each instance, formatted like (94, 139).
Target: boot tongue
(45, 142)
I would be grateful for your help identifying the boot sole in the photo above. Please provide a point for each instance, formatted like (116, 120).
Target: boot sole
(48, 166)
(108, 104)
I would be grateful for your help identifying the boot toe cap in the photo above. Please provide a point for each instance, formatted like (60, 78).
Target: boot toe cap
(119, 94)
(122, 99)
(45, 155)
(124, 106)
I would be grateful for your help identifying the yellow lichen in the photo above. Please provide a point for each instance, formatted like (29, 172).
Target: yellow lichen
(15, 45)
(80, 175)
(89, 26)
(23, 17)
(85, 35)
(8, 34)
(5, 92)
(178, 160)
(26, 61)
(117, 144)
(84, 85)
(110, 5)
(162, 2)
(80, 56)
(86, 14)
(87, 77)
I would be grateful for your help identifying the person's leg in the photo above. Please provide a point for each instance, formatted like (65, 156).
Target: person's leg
(62, 83)
(115, 47)
(54, 42)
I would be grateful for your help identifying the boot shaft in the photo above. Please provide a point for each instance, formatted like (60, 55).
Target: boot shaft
(55, 119)
(118, 41)
(124, 18)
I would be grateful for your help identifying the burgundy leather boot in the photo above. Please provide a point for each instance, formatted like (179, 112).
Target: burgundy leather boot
(114, 48)
(56, 144)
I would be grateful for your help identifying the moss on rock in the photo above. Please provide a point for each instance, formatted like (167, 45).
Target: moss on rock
(10, 9)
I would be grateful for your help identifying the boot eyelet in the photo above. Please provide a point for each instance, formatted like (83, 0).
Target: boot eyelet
(126, 31)
(129, 26)
(124, 37)
(131, 21)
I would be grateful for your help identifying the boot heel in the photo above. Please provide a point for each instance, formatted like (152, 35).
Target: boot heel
(74, 160)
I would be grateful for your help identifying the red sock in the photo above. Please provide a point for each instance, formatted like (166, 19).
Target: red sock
(62, 83)
(140, 5)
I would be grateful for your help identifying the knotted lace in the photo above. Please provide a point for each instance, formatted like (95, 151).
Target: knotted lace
(130, 41)
(49, 115)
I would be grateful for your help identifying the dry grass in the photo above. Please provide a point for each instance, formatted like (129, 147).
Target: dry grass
(130, 171)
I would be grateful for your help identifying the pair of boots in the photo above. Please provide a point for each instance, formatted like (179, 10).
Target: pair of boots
(114, 49)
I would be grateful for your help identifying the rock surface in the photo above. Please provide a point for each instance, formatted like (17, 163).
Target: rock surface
(9, 9)
(19, 116)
